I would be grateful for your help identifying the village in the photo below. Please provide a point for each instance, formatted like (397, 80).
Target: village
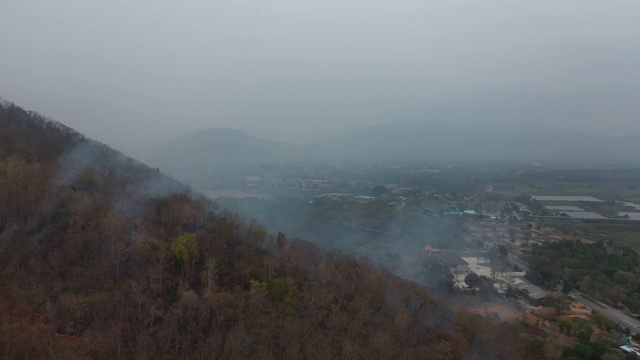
(480, 225)
(500, 267)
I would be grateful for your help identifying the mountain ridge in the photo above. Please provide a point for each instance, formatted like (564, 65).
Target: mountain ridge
(220, 145)
(428, 141)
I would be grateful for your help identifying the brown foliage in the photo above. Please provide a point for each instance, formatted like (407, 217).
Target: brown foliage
(101, 258)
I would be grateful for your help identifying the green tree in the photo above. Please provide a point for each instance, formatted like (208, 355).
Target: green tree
(472, 280)
(185, 249)
(502, 250)
(585, 334)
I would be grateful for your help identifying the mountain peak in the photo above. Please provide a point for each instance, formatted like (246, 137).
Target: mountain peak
(406, 140)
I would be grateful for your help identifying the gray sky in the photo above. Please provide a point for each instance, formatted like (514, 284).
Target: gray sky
(292, 70)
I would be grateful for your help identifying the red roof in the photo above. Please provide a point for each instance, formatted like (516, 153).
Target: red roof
(430, 249)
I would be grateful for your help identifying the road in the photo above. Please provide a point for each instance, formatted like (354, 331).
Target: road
(514, 260)
(612, 314)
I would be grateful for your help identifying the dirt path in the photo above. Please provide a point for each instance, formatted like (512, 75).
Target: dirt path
(505, 311)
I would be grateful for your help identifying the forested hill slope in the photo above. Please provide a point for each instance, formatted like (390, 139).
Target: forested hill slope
(103, 258)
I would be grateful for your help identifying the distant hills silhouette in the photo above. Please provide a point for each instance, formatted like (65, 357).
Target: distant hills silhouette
(428, 141)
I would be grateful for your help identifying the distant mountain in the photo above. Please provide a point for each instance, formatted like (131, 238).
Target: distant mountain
(407, 141)
(450, 142)
(218, 146)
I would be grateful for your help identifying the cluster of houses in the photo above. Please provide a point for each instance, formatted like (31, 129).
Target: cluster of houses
(460, 267)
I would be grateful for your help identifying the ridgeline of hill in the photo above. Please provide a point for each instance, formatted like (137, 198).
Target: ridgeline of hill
(222, 146)
(437, 142)
(102, 257)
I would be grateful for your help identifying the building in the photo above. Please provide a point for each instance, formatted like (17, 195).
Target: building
(635, 349)
(431, 250)
(454, 263)
(535, 294)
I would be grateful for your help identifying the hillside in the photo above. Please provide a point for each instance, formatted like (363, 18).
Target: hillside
(105, 258)
(428, 141)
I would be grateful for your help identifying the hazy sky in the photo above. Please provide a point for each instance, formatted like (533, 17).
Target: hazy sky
(294, 70)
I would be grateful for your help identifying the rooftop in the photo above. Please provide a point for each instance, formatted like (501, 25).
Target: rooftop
(533, 291)
(431, 249)
(566, 198)
(452, 259)
(631, 348)
(565, 208)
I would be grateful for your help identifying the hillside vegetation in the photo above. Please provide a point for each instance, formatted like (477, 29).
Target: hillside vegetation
(102, 257)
